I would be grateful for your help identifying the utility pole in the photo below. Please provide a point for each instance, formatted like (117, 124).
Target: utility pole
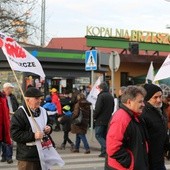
(43, 23)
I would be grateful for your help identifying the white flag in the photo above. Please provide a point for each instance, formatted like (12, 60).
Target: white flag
(164, 71)
(150, 74)
(92, 97)
(18, 58)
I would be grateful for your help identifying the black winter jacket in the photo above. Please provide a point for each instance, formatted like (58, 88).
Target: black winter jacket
(14, 102)
(66, 123)
(21, 133)
(103, 108)
(156, 124)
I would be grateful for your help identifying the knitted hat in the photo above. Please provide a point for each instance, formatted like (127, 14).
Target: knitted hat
(33, 92)
(151, 89)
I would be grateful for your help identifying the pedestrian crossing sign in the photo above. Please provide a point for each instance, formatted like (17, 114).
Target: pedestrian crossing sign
(91, 60)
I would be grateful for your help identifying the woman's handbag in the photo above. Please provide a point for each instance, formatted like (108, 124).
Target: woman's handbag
(78, 120)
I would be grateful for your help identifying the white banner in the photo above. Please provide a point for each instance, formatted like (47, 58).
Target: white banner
(164, 71)
(92, 97)
(150, 74)
(18, 58)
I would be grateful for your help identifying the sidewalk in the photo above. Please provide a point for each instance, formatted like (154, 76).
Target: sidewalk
(93, 143)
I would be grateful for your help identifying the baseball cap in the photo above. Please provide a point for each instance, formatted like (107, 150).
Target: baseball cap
(7, 85)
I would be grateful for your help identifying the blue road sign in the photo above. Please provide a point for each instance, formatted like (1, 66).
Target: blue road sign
(91, 60)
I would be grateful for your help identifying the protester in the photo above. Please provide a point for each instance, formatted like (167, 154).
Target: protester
(121, 91)
(65, 121)
(166, 109)
(12, 101)
(73, 100)
(7, 150)
(56, 100)
(51, 109)
(30, 129)
(81, 129)
(5, 138)
(103, 110)
(52, 113)
(156, 124)
(126, 143)
(65, 99)
(87, 89)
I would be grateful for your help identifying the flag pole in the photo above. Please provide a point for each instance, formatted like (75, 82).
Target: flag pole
(22, 93)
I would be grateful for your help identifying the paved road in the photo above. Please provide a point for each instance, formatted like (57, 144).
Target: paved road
(73, 161)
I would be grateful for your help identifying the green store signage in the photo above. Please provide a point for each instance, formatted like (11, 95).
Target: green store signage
(132, 35)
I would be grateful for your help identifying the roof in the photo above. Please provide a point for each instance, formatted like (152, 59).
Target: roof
(79, 43)
(74, 43)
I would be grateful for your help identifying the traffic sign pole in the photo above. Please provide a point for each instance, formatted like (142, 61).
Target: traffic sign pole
(91, 123)
(91, 65)
(114, 63)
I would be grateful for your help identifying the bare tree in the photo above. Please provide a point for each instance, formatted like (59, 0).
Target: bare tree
(16, 19)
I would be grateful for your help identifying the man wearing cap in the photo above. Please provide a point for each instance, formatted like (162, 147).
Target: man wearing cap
(29, 124)
(156, 124)
(12, 101)
(7, 150)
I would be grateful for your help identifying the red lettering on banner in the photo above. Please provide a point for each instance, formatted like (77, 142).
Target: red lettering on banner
(9, 39)
(1, 43)
(14, 50)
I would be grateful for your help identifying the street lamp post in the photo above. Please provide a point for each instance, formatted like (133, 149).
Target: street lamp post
(43, 23)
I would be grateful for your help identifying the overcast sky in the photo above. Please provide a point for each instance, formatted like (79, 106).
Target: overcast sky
(69, 18)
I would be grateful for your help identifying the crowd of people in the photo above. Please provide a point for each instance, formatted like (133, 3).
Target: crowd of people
(135, 136)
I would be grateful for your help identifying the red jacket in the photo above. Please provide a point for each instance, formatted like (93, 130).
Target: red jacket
(56, 101)
(4, 120)
(126, 143)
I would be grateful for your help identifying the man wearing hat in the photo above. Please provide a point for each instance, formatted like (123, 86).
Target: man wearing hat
(156, 124)
(12, 101)
(29, 124)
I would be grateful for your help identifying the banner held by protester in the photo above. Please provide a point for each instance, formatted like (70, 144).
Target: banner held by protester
(150, 74)
(92, 97)
(164, 70)
(18, 58)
